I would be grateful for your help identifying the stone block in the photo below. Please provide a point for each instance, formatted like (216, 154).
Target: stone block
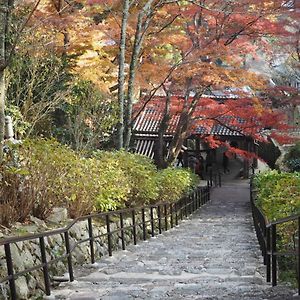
(58, 215)
(22, 288)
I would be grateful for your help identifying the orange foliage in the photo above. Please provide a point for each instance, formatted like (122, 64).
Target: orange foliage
(187, 48)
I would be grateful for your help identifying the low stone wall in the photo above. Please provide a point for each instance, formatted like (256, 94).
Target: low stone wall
(27, 254)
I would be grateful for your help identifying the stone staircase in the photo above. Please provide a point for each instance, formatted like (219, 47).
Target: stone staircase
(213, 255)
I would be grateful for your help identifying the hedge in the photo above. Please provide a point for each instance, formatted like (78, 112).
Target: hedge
(40, 174)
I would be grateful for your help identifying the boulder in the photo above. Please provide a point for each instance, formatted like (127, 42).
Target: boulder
(22, 288)
(18, 259)
(79, 230)
(58, 215)
(27, 258)
(38, 222)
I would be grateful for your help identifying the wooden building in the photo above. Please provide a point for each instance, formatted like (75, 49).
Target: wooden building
(147, 123)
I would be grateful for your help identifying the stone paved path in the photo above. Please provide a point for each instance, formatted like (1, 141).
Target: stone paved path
(214, 255)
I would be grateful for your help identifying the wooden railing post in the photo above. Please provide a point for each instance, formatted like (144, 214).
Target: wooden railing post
(122, 231)
(109, 246)
(268, 257)
(133, 227)
(159, 218)
(69, 256)
(166, 216)
(144, 224)
(91, 237)
(45, 266)
(171, 215)
(10, 272)
(176, 213)
(152, 221)
(274, 256)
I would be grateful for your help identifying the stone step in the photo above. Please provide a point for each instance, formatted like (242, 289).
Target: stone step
(213, 255)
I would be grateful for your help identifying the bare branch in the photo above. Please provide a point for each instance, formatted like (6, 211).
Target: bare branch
(20, 31)
(165, 26)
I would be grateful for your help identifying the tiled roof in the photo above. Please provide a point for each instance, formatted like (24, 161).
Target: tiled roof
(146, 128)
(148, 122)
(217, 129)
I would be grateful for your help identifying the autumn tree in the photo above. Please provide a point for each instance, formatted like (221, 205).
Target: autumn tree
(143, 47)
(133, 28)
(286, 59)
(17, 20)
(51, 57)
(215, 37)
(167, 33)
(11, 28)
(284, 62)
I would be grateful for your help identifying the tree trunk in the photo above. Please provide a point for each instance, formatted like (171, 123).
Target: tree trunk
(160, 152)
(2, 114)
(121, 75)
(132, 72)
(184, 123)
(6, 52)
(179, 137)
(182, 126)
(141, 27)
(66, 44)
(4, 11)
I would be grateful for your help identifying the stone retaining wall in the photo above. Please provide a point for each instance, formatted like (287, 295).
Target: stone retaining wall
(27, 254)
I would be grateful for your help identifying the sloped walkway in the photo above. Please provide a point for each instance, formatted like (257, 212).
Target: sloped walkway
(213, 255)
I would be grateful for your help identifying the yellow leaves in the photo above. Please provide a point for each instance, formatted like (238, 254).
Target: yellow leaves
(258, 106)
(97, 67)
(150, 74)
(96, 63)
(263, 5)
(268, 4)
(172, 32)
(163, 14)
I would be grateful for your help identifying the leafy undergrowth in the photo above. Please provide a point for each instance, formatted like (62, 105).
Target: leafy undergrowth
(292, 158)
(279, 197)
(39, 174)
(278, 194)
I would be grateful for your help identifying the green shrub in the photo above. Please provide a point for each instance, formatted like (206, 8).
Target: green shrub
(16, 203)
(294, 152)
(140, 173)
(278, 194)
(29, 179)
(173, 183)
(294, 164)
(112, 186)
(292, 158)
(278, 197)
(86, 118)
(39, 174)
(51, 174)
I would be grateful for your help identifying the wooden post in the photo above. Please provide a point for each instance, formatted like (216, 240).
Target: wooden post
(255, 150)
(246, 161)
